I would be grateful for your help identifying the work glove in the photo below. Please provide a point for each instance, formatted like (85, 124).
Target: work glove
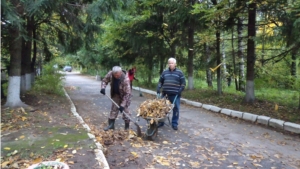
(121, 108)
(102, 91)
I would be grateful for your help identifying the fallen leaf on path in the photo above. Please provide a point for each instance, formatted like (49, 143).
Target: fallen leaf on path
(4, 164)
(277, 155)
(15, 165)
(162, 160)
(257, 165)
(37, 160)
(194, 164)
(6, 148)
(135, 155)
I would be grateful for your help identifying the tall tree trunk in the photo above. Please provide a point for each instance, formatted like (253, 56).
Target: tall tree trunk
(14, 82)
(191, 54)
(250, 96)
(27, 58)
(23, 80)
(241, 56)
(33, 60)
(208, 71)
(263, 46)
(294, 63)
(233, 59)
(224, 58)
(219, 81)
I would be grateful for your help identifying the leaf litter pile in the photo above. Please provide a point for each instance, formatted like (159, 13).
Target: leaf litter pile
(156, 108)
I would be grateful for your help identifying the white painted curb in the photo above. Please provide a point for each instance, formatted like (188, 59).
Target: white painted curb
(100, 157)
(279, 124)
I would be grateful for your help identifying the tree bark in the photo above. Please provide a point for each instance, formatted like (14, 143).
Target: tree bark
(208, 71)
(14, 82)
(225, 72)
(241, 56)
(190, 54)
(33, 60)
(294, 63)
(250, 96)
(15, 49)
(27, 58)
(219, 81)
(233, 59)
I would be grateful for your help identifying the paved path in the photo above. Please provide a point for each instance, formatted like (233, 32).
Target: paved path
(204, 139)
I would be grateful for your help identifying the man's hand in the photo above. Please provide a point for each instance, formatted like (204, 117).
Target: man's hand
(180, 90)
(158, 90)
(121, 108)
(102, 91)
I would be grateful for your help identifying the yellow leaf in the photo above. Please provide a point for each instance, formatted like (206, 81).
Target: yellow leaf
(276, 107)
(74, 151)
(43, 147)
(24, 118)
(21, 137)
(235, 163)
(59, 159)
(31, 154)
(71, 162)
(165, 142)
(6, 148)
(5, 163)
(194, 164)
(134, 154)
(162, 160)
(37, 160)
(66, 146)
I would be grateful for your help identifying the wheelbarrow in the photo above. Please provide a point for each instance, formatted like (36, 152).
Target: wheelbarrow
(152, 130)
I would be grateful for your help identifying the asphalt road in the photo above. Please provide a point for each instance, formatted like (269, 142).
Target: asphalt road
(204, 139)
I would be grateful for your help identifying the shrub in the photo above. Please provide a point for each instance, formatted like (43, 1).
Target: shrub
(50, 81)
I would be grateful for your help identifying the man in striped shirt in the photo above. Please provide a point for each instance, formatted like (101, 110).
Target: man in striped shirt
(172, 82)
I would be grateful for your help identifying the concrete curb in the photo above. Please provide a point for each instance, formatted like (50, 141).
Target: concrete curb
(268, 121)
(100, 157)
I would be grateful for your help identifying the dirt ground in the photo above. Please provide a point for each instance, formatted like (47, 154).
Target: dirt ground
(44, 131)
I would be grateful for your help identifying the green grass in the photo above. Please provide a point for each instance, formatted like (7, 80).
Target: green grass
(44, 146)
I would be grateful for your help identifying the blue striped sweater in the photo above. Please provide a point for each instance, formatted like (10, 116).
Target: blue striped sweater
(171, 81)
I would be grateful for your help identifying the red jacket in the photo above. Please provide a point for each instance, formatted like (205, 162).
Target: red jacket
(131, 73)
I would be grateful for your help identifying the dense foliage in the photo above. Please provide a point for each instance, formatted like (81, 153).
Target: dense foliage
(256, 44)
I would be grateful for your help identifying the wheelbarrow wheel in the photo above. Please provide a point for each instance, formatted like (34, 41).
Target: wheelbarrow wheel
(152, 132)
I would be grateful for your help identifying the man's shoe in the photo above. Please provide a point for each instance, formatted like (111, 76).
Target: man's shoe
(111, 125)
(126, 126)
(175, 127)
(160, 124)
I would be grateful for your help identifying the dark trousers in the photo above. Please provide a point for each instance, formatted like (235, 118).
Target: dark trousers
(175, 115)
